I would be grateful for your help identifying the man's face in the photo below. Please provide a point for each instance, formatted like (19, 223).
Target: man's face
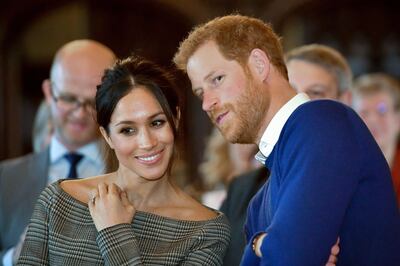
(378, 112)
(74, 125)
(230, 96)
(312, 79)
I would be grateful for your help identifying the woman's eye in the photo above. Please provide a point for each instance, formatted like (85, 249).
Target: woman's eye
(157, 123)
(127, 131)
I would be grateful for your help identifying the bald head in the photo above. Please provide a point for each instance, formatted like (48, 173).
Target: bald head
(82, 57)
(76, 71)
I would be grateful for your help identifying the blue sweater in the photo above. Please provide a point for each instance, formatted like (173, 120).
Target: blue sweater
(328, 179)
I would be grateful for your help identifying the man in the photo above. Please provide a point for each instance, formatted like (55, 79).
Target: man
(319, 71)
(74, 151)
(377, 100)
(328, 177)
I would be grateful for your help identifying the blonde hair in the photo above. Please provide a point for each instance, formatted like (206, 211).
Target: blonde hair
(236, 36)
(217, 165)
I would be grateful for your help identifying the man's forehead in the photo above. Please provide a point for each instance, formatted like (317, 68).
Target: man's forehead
(205, 60)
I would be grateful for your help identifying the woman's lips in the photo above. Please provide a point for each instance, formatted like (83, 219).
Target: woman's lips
(150, 159)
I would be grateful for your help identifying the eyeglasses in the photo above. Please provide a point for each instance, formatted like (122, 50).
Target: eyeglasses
(68, 102)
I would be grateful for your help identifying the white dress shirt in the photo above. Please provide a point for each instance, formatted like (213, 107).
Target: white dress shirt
(274, 128)
(90, 165)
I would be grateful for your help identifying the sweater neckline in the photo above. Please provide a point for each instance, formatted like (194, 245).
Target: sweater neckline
(146, 215)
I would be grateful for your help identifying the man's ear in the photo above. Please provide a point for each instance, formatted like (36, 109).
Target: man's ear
(106, 137)
(259, 64)
(46, 88)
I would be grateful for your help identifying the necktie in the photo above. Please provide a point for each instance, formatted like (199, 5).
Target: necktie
(73, 159)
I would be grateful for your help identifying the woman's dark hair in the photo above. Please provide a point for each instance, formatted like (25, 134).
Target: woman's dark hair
(130, 73)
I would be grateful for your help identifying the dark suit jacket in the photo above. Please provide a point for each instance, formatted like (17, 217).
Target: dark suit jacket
(240, 192)
(21, 181)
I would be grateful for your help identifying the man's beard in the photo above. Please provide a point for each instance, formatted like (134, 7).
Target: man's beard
(249, 111)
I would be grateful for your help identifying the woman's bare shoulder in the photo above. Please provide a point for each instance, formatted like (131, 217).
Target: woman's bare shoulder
(81, 189)
(194, 210)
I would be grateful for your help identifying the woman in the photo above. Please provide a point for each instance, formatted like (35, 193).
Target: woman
(135, 215)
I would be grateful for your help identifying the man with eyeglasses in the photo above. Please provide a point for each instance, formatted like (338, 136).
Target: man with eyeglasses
(74, 148)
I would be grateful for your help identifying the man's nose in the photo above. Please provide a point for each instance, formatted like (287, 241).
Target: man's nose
(209, 101)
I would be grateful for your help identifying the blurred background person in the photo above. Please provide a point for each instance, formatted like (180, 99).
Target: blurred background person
(42, 128)
(223, 161)
(315, 69)
(74, 147)
(334, 76)
(376, 98)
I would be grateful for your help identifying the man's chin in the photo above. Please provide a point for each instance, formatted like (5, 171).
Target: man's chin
(229, 136)
(239, 138)
(79, 141)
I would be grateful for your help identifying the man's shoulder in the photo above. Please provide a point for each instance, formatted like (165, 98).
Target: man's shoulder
(23, 160)
(319, 114)
(324, 106)
(32, 166)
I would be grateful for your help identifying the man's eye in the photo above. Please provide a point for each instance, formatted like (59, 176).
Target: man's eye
(316, 94)
(67, 98)
(218, 79)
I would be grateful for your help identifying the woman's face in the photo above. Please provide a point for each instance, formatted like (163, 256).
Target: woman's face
(140, 135)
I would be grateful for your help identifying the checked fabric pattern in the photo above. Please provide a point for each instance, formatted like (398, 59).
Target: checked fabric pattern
(62, 232)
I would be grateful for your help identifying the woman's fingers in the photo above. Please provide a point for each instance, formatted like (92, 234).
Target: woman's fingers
(114, 189)
(124, 198)
(92, 196)
(103, 189)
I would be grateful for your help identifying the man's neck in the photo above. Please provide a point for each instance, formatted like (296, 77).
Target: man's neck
(72, 147)
(280, 93)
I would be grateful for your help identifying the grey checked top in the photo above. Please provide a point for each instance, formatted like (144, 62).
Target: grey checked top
(62, 232)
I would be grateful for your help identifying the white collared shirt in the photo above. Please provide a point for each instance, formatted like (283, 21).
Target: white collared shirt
(91, 164)
(274, 128)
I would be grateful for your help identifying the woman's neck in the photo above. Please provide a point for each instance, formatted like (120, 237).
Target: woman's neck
(142, 193)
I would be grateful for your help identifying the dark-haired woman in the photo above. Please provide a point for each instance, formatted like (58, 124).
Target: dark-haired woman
(135, 215)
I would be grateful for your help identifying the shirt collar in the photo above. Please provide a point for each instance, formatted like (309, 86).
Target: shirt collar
(274, 128)
(90, 151)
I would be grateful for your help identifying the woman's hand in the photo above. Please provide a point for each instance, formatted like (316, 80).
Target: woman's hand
(109, 205)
